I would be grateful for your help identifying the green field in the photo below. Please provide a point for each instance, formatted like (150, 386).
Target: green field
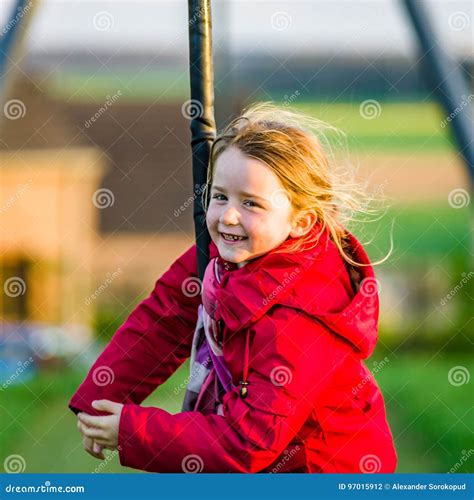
(434, 230)
(432, 420)
(394, 126)
(149, 85)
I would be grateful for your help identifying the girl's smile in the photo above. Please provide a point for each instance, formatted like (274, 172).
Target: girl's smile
(232, 239)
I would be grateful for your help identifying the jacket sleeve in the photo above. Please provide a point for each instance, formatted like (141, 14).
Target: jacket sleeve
(292, 360)
(152, 343)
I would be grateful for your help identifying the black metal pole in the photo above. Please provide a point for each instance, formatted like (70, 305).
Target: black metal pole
(11, 35)
(201, 113)
(9, 32)
(447, 81)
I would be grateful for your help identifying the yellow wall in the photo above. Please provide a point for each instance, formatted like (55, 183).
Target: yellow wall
(47, 217)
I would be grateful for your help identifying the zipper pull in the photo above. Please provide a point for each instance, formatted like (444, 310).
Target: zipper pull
(243, 389)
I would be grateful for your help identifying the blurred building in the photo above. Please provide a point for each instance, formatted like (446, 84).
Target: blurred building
(49, 225)
(88, 199)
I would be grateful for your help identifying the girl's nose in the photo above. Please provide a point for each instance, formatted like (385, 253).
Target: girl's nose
(230, 217)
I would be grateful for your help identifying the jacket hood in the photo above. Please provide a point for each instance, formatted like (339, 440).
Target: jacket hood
(317, 282)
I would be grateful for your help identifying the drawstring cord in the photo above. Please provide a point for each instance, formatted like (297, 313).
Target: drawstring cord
(244, 382)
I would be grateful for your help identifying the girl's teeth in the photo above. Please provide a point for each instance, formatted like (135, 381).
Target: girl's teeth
(232, 238)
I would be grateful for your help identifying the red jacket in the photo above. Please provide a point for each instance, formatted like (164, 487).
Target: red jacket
(300, 325)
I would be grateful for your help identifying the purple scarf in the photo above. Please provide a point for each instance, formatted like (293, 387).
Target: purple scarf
(207, 363)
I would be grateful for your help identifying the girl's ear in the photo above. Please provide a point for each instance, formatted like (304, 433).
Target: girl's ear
(303, 223)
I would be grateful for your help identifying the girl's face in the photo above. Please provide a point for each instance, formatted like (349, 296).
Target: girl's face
(247, 201)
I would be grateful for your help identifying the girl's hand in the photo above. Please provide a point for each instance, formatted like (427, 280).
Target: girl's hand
(102, 430)
(93, 448)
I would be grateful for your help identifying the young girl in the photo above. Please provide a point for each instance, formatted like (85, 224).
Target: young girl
(288, 311)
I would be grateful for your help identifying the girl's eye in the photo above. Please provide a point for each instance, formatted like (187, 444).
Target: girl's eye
(251, 203)
(218, 197)
(221, 197)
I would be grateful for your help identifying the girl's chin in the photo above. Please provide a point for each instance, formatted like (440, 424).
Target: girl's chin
(232, 254)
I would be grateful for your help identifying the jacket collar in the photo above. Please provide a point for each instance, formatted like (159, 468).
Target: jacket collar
(314, 281)
(245, 294)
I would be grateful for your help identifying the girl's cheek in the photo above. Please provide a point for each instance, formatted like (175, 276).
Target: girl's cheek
(212, 222)
(211, 216)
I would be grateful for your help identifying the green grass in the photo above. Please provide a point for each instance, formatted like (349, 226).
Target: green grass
(409, 118)
(431, 420)
(410, 126)
(431, 230)
(398, 125)
(164, 85)
(37, 424)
